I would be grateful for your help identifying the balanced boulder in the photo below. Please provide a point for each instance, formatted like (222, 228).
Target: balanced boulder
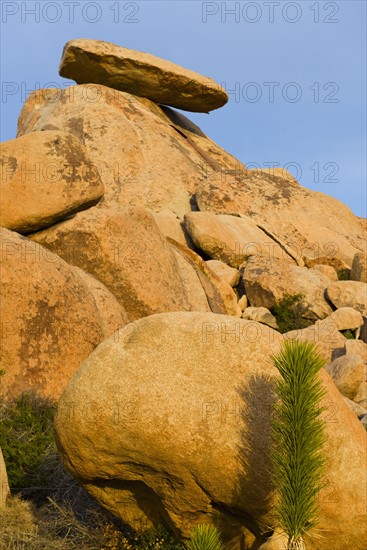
(142, 74)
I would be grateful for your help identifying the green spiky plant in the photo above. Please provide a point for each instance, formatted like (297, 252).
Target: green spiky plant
(204, 537)
(298, 438)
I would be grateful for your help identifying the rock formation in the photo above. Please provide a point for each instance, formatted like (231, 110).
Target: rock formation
(177, 430)
(140, 262)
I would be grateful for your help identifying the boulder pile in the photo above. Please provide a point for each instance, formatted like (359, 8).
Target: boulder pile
(147, 278)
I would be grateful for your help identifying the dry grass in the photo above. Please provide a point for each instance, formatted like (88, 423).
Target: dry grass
(48, 509)
(64, 517)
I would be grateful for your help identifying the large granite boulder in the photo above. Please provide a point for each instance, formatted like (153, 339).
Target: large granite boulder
(144, 158)
(52, 317)
(348, 294)
(172, 425)
(45, 177)
(231, 239)
(267, 281)
(139, 73)
(124, 249)
(348, 372)
(359, 267)
(313, 227)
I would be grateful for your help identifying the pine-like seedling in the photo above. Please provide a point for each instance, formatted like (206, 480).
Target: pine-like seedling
(298, 438)
(204, 537)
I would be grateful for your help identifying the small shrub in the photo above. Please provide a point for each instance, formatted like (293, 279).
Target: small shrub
(343, 274)
(154, 539)
(26, 436)
(348, 334)
(289, 313)
(204, 537)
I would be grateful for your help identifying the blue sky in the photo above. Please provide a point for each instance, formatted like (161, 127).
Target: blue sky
(296, 73)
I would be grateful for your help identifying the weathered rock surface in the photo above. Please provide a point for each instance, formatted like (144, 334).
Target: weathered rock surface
(348, 372)
(278, 541)
(325, 334)
(346, 318)
(141, 74)
(229, 274)
(171, 226)
(220, 294)
(195, 435)
(112, 315)
(230, 239)
(124, 249)
(356, 347)
(348, 294)
(261, 315)
(327, 270)
(313, 227)
(243, 302)
(45, 177)
(361, 396)
(144, 159)
(51, 318)
(268, 281)
(357, 409)
(359, 267)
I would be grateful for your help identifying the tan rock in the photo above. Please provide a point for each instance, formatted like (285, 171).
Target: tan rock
(326, 335)
(220, 294)
(348, 294)
(361, 396)
(45, 177)
(214, 158)
(52, 319)
(268, 281)
(143, 158)
(141, 74)
(278, 541)
(243, 302)
(355, 407)
(261, 315)
(327, 270)
(112, 315)
(171, 226)
(124, 249)
(347, 372)
(196, 436)
(359, 267)
(229, 274)
(346, 318)
(364, 421)
(192, 284)
(363, 222)
(231, 239)
(309, 225)
(4, 483)
(356, 347)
